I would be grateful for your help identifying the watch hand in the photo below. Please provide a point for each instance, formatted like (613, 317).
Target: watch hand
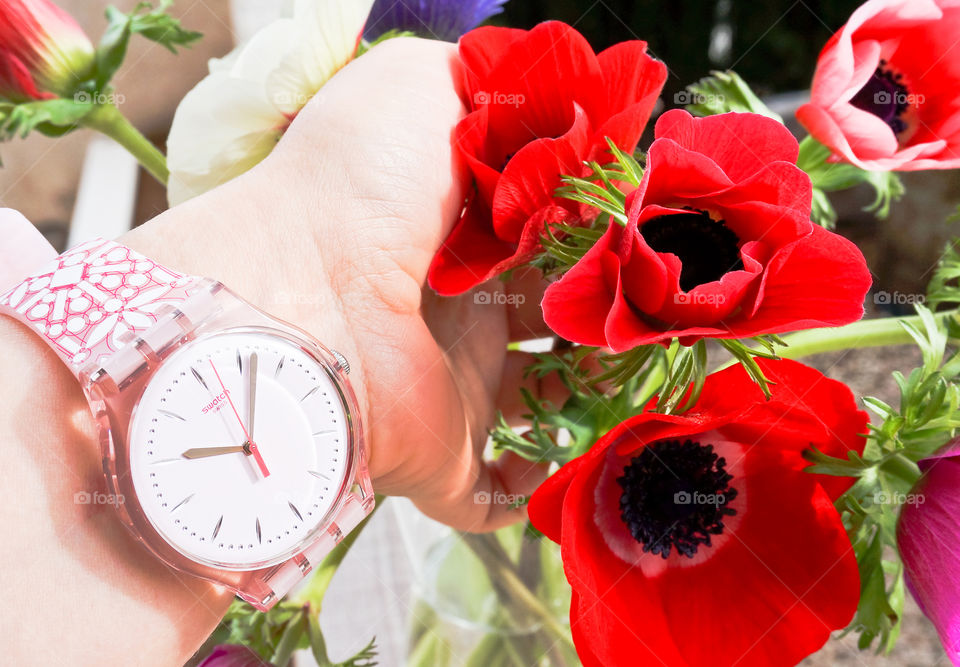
(204, 452)
(251, 393)
(249, 443)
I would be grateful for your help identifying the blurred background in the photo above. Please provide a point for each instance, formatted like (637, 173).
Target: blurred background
(773, 45)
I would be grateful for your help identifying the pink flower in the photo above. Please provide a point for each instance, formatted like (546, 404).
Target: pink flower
(928, 536)
(231, 655)
(43, 52)
(884, 93)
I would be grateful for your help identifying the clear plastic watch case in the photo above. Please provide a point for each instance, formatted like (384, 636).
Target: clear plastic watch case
(232, 443)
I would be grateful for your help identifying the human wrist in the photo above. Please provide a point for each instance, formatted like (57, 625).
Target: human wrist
(254, 244)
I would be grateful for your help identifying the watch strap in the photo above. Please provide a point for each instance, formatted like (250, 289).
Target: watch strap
(93, 300)
(23, 249)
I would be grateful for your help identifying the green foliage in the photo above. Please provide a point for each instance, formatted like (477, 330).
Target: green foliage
(152, 23)
(50, 117)
(561, 433)
(926, 418)
(944, 287)
(603, 189)
(722, 92)
(564, 245)
(57, 117)
(829, 176)
(365, 46)
(276, 634)
(746, 356)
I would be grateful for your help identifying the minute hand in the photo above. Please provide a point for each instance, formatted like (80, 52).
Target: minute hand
(252, 395)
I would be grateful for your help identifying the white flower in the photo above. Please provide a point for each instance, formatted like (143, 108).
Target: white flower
(235, 116)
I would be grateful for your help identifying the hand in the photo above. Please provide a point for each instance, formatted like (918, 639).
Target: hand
(206, 452)
(249, 444)
(251, 393)
(346, 215)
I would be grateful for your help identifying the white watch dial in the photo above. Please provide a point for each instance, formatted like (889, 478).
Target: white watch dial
(231, 487)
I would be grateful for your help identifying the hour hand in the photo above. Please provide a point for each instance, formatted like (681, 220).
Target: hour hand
(204, 452)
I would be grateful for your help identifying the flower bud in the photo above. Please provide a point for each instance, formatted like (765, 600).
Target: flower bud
(43, 52)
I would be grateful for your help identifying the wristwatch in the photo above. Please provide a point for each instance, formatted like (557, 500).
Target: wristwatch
(231, 441)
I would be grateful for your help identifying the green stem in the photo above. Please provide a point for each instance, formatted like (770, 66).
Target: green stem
(296, 628)
(504, 572)
(880, 332)
(320, 581)
(107, 119)
(898, 465)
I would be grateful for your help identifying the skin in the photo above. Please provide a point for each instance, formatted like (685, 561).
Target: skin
(334, 232)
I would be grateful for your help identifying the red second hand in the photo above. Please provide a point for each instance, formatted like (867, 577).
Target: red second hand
(253, 446)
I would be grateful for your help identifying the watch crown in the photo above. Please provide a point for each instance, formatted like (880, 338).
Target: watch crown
(341, 361)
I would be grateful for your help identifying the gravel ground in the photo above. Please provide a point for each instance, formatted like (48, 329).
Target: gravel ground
(868, 373)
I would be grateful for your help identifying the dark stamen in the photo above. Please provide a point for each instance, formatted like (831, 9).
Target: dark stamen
(885, 96)
(675, 496)
(707, 248)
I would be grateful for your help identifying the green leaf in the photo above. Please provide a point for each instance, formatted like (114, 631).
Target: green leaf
(745, 355)
(393, 33)
(722, 92)
(50, 117)
(944, 287)
(152, 23)
(366, 657)
(829, 176)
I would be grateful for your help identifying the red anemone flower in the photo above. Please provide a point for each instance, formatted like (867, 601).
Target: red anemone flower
(884, 92)
(541, 102)
(718, 243)
(43, 52)
(699, 539)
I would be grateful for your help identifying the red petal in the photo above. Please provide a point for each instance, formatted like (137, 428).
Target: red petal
(481, 51)
(773, 205)
(576, 306)
(740, 143)
(676, 173)
(16, 82)
(806, 408)
(553, 67)
(544, 508)
(613, 595)
(470, 254)
(633, 81)
(820, 281)
(773, 594)
(470, 137)
(530, 179)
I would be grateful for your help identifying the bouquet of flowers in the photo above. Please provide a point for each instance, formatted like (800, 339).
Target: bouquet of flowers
(715, 501)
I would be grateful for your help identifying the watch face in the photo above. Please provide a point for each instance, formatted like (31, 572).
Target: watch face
(238, 449)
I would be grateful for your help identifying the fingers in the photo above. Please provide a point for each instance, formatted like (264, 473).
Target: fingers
(510, 400)
(497, 499)
(525, 289)
(503, 490)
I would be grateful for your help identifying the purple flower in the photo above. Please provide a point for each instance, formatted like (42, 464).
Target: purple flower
(437, 19)
(929, 539)
(231, 655)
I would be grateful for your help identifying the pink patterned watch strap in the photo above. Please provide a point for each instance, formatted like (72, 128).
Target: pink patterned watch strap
(93, 300)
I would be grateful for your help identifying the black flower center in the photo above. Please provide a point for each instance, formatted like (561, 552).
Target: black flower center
(675, 496)
(707, 248)
(885, 96)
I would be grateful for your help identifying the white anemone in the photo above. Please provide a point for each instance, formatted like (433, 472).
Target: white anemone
(234, 117)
